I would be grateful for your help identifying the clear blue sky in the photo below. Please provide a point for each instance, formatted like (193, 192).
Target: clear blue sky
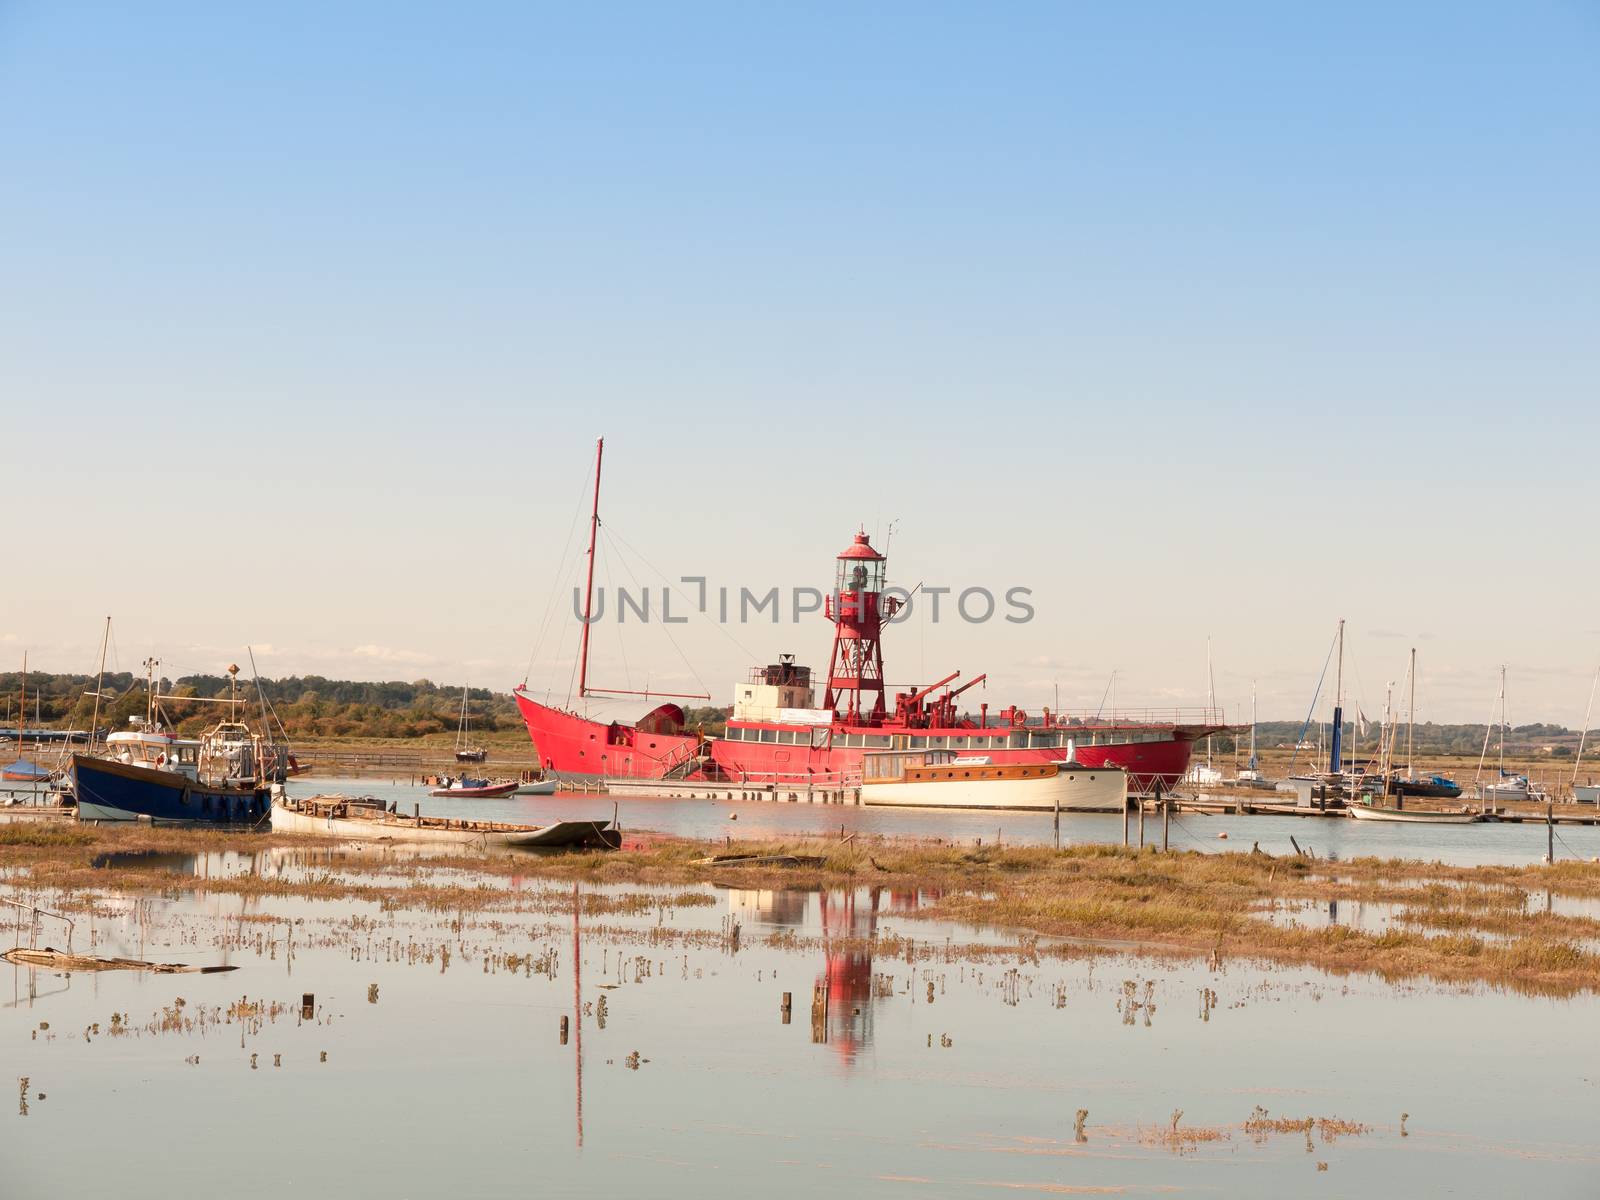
(1200, 320)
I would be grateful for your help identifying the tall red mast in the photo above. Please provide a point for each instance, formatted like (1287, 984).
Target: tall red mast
(588, 587)
(858, 610)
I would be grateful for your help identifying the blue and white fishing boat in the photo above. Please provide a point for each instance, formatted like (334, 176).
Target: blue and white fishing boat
(222, 778)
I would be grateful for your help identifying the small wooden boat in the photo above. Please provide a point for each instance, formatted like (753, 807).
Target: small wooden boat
(343, 816)
(538, 787)
(1414, 816)
(479, 789)
(23, 771)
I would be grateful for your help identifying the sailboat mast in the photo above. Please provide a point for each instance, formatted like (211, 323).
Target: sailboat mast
(1334, 763)
(461, 721)
(22, 711)
(588, 587)
(1252, 724)
(1502, 720)
(99, 685)
(1584, 736)
(1211, 697)
(1411, 720)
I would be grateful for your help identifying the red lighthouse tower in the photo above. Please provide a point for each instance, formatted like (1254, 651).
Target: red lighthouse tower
(858, 609)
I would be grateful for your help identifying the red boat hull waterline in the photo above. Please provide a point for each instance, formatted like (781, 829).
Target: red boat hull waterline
(778, 734)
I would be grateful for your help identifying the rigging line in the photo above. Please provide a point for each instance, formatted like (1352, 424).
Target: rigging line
(1570, 850)
(717, 625)
(1311, 712)
(550, 602)
(1184, 829)
(561, 639)
(557, 657)
(616, 607)
(665, 628)
(1103, 696)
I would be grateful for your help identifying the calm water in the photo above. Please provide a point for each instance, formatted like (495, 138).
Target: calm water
(451, 1078)
(1339, 837)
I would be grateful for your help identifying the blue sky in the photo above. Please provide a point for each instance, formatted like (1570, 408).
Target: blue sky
(1221, 320)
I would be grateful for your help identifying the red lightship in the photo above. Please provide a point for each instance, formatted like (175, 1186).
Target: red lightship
(777, 734)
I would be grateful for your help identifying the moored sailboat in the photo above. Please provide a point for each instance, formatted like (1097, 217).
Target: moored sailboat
(466, 751)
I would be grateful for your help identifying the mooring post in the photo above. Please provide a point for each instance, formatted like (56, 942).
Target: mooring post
(1125, 822)
(1550, 827)
(1141, 822)
(1166, 815)
(416, 812)
(1058, 819)
(787, 1007)
(563, 1031)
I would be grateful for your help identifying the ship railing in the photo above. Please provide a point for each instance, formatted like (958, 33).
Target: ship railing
(1133, 716)
(787, 779)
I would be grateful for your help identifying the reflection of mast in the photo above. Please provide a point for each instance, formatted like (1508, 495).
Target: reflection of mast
(577, 1005)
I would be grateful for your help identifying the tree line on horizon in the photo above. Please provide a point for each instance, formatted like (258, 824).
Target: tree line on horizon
(306, 705)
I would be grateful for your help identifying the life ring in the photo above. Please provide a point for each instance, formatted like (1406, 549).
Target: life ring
(161, 760)
(1018, 718)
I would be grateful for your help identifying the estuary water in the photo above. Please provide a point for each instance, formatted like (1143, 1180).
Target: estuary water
(1338, 837)
(949, 1061)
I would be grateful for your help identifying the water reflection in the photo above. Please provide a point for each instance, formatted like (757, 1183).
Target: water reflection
(846, 919)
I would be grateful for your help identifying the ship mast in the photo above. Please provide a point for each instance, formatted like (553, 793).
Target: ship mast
(584, 690)
(588, 587)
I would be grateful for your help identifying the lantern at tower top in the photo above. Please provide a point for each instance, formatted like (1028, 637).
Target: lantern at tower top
(860, 567)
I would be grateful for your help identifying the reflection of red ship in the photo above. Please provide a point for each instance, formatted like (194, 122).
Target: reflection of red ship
(778, 735)
(846, 978)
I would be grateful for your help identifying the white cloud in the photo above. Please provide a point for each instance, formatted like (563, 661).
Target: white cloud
(390, 654)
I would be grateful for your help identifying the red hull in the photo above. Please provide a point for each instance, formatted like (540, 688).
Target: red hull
(493, 792)
(573, 746)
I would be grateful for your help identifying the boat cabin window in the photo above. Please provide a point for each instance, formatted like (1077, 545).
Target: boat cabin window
(769, 735)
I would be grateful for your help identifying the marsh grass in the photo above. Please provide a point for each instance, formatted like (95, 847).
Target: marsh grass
(1460, 923)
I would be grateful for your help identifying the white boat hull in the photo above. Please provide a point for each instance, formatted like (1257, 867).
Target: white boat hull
(544, 787)
(434, 830)
(1074, 788)
(1365, 812)
(1587, 793)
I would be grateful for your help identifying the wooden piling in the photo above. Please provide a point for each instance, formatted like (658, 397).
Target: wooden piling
(1166, 816)
(308, 1005)
(1141, 822)
(563, 1031)
(1124, 822)
(787, 1006)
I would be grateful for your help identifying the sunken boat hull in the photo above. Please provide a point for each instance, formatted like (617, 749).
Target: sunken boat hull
(336, 817)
